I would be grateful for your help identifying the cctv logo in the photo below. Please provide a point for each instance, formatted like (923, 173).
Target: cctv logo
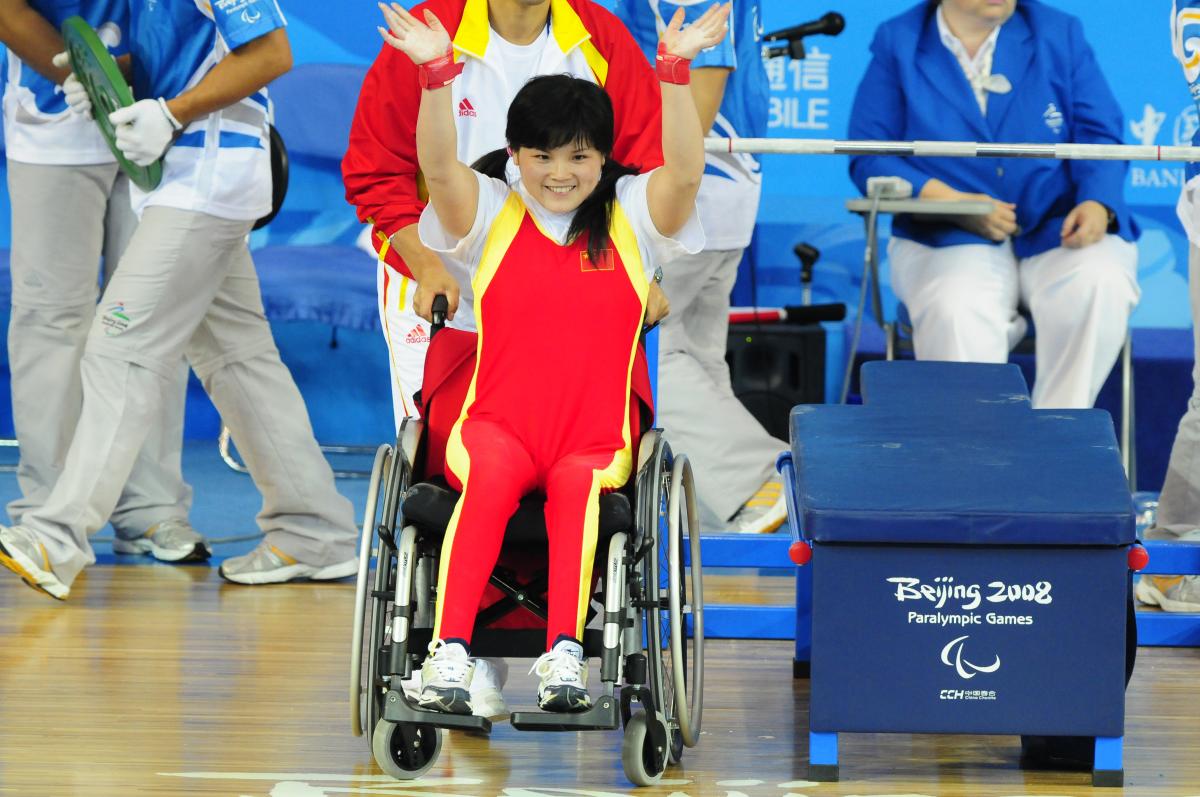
(952, 656)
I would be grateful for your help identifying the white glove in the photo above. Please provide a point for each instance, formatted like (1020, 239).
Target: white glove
(73, 91)
(144, 130)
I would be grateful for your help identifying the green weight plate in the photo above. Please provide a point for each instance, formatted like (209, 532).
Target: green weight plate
(97, 70)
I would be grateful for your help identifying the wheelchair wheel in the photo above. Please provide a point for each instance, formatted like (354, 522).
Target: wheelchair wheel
(365, 700)
(643, 761)
(405, 750)
(666, 506)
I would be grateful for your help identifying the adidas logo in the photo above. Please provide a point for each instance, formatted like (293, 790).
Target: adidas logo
(465, 108)
(417, 335)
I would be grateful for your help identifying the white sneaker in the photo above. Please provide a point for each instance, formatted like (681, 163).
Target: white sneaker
(21, 553)
(266, 564)
(563, 671)
(763, 512)
(446, 679)
(486, 682)
(171, 540)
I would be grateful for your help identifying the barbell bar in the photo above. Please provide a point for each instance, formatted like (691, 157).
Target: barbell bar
(953, 149)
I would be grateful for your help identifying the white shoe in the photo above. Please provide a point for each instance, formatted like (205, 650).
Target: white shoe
(563, 671)
(763, 512)
(1169, 593)
(171, 540)
(21, 553)
(486, 698)
(446, 679)
(266, 564)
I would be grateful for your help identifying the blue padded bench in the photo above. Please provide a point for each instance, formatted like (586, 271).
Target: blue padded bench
(967, 554)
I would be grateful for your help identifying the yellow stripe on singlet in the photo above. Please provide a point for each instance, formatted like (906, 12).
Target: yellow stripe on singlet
(618, 471)
(499, 239)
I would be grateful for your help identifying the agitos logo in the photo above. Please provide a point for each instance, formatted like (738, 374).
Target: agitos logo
(952, 656)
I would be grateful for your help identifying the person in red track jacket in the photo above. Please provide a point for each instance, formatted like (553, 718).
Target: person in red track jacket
(501, 44)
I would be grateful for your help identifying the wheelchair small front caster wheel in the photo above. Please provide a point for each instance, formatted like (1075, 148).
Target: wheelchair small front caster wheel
(405, 750)
(642, 759)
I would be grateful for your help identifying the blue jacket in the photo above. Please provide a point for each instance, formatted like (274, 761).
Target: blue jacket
(915, 89)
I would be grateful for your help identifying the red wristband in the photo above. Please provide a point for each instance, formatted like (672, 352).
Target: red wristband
(672, 68)
(439, 72)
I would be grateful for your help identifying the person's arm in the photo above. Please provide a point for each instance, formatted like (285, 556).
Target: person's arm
(148, 127)
(235, 77)
(31, 36)
(996, 226)
(453, 187)
(1096, 118)
(708, 91)
(671, 192)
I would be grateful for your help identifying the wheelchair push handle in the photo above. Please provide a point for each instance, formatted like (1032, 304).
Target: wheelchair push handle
(441, 305)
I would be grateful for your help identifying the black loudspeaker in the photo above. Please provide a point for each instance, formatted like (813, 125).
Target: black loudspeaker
(774, 367)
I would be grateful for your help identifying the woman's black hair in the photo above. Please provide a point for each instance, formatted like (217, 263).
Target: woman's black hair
(552, 111)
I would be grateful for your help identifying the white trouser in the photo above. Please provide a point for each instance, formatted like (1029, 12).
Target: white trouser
(63, 219)
(963, 302)
(186, 285)
(407, 336)
(1179, 503)
(731, 454)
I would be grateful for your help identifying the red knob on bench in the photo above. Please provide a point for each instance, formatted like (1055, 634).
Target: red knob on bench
(800, 552)
(1139, 557)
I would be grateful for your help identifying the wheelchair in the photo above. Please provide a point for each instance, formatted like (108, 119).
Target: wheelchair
(649, 603)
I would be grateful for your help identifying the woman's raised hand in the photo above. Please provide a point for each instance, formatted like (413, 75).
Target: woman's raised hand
(420, 41)
(705, 32)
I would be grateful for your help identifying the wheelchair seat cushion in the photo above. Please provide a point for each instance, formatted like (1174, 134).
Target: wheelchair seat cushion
(429, 505)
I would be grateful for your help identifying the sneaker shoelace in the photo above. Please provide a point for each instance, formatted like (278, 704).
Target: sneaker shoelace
(450, 665)
(559, 665)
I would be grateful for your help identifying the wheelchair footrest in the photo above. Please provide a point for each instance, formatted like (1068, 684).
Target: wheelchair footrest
(604, 715)
(398, 709)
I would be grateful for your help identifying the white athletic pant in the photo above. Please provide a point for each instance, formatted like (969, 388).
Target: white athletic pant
(731, 454)
(963, 302)
(63, 219)
(1179, 503)
(407, 335)
(186, 285)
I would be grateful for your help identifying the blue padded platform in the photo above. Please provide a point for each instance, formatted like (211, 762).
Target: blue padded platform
(950, 472)
(923, 383)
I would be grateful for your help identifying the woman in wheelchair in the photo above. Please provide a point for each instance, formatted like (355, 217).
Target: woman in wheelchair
(561, 256)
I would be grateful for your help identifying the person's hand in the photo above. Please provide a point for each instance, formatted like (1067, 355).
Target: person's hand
(435, 280)
(421, 41)
(144, 130)
(998, 225)
(705, 32)
(657, 306)
(73, 91)
(1085, 225)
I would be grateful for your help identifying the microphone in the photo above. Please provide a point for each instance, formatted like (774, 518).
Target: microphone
(831, 24)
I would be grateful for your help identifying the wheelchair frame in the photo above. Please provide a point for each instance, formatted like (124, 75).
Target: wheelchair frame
(642, 643)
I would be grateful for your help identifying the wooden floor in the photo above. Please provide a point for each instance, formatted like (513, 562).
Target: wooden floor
(155, 680)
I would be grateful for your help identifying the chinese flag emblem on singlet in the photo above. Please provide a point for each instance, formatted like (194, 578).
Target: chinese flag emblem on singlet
(603, 262)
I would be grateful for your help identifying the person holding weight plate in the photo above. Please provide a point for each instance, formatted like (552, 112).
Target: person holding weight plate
(59, 168)
(186, 286)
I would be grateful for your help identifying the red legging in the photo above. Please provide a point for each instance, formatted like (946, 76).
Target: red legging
(501, 471)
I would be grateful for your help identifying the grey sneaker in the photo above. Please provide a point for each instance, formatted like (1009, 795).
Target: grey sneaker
(1169, 593)
(21, 553)
(169, 541)
(763, 512)
(266, 564)
(563, 673)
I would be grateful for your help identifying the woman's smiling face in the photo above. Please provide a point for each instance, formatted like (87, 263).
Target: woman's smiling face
(560, 178)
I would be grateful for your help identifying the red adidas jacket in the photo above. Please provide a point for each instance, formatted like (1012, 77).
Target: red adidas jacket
(380, 167)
